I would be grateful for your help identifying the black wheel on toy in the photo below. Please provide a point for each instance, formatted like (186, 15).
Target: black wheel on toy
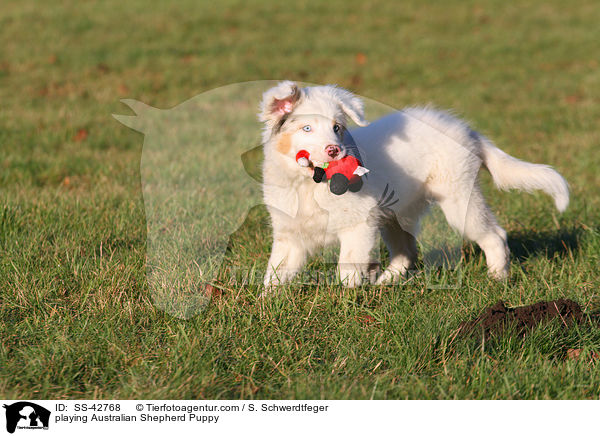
(355, 187)
(318, 174)
(338, 184)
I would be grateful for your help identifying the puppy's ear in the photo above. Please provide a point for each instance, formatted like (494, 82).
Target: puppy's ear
(279, 101)
(352, 106)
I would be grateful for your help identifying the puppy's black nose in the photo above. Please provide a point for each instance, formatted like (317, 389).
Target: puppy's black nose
(332, 150)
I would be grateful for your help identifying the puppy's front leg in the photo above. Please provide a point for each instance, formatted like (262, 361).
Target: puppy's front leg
(287, 257)
(355, 253)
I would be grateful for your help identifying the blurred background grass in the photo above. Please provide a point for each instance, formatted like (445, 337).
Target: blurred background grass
(76, 319)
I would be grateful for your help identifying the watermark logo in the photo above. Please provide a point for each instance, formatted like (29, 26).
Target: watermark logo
(202, 183)
(25, 415)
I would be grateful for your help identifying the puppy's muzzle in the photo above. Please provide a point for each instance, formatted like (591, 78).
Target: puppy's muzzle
(332, 150)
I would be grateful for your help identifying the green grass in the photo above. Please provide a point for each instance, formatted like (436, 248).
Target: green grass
(77, 317)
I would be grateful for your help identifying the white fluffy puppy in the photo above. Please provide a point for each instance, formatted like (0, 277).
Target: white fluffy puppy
(415, 157)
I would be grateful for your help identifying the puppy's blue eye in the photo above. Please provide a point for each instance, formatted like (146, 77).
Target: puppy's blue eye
(306, 128)
(336, 128)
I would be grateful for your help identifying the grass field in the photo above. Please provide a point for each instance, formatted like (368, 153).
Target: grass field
(77, 318)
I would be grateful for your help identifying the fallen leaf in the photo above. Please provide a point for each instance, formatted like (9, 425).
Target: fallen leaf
(361, 58)
(81, 135)
(123, 90)
(575, 353)
(366, 319)
(212, 291)
(66, 181)
(356, 80)
(103, 68)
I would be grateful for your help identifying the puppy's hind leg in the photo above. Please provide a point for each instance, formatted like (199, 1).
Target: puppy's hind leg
(470, 215)
(402, 247)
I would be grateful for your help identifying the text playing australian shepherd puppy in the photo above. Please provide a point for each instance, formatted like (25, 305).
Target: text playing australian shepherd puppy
(421, 155)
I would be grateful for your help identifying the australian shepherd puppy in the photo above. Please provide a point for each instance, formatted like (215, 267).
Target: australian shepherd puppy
(415, 157)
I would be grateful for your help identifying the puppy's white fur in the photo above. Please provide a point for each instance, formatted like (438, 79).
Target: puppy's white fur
(420, 154)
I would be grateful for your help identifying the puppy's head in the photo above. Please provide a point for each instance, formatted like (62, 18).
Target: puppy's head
(311, 119)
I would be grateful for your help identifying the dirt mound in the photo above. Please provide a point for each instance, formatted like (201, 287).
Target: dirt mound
(497, 318)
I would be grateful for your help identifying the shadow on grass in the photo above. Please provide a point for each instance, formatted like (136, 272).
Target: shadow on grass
(251, 243)
(563, 243)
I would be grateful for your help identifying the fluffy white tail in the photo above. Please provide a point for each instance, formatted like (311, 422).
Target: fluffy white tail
(509, 172)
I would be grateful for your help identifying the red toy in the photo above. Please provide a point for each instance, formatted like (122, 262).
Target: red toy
(344, 174)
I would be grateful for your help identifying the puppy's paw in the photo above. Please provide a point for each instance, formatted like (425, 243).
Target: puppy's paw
(267, 291)
(390, 276)
(351, 279)
(269, 286)
(499, 274)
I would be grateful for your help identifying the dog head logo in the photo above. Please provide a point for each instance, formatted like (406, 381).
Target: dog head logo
(26, 415)
(202, 179)
(196, 189)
